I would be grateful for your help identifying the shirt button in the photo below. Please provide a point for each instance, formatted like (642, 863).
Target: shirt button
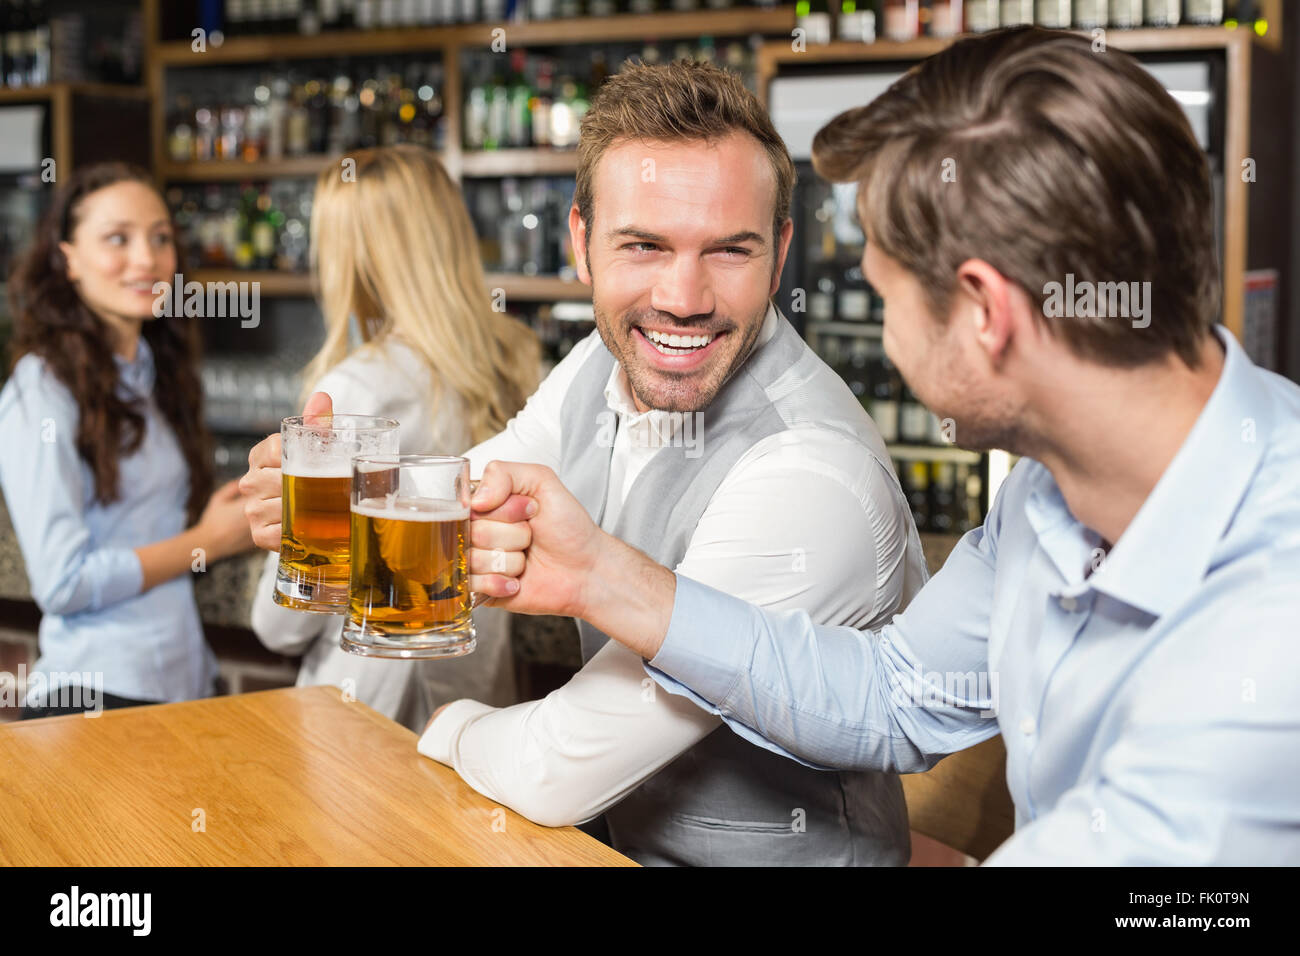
(1069, 603)
(1027, 726)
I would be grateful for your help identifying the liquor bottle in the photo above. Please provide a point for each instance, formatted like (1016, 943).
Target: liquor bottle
(982, 15)
(1205, 12)
(1126, 14)
(297, 124)
(1090, 14)
(257, 124)
(518, 114)
(814, 18)
(16, 46)
(430, 119)
(685, 6)
(476, 110)
(277, 115)
(345, 119)
(207, 130)
(857, 372)
(540, 104)
(943, 497)
(180, 131)
(265, 232)
(885, 386)
(945, 18)
(913, 419)
(855, 25)
(902, 20)
(244, 228)
(318, 117)
(365, 14)
(386, 14)
(917, 489)
(347, 14)
(1163, 13)
(38, 45)
(1016, 13)
(568, 9)
(541, 9)
(289, 16)
(854, 303)
(1054, 14)
(330, 13)
(642, 7)
(257, 16)
(564, 114)
(601, 8)
(309, 18)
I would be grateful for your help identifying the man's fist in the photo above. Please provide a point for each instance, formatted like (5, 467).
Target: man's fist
(533, 546)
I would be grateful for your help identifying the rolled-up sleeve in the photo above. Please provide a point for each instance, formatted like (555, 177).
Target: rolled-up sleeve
(837, 697)
(45, 486)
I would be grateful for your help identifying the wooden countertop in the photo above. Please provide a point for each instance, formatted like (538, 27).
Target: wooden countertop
(295, 776)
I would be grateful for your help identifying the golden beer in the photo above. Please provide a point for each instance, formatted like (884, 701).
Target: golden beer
(316, 495)
(314, 542)
(409, 594)
(409, 574)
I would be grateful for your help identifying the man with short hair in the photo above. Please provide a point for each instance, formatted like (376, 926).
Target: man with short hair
(694, 424)
(1126, 616)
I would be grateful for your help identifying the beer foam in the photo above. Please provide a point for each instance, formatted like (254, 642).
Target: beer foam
(411, 509)
(310, 470)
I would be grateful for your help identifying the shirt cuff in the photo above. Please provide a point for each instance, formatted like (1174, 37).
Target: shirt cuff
(440, 740)
(710, 640)
(118, 576)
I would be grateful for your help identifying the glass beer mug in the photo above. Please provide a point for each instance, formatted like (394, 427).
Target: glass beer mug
(409, 595)
(316, 462)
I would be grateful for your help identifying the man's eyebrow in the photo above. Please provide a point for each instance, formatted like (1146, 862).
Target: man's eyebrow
(746, 236)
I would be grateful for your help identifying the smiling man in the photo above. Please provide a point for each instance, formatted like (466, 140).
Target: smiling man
(696, 425)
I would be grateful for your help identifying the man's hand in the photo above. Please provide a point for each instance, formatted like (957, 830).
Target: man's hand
(262, 485)
(535, 550)
(533, 546)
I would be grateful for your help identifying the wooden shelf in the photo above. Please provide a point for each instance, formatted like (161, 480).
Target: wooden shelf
(270, 283)
(230, 170)
(519, 162)
(538, 288)
(905, 452)
(33, 94)
(299, 284)
(1145, 40)
(614, 29)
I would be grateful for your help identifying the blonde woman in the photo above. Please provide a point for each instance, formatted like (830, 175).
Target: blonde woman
(410, 335)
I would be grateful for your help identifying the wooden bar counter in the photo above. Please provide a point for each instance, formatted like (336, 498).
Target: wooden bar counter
(297, 776)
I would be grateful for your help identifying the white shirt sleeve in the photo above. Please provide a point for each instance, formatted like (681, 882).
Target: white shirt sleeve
(835, 546)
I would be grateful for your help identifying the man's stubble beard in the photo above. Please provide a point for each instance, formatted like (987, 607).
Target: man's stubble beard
(642, 381)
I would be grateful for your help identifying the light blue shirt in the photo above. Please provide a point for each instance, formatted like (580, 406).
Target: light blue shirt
(1149, 699)
(80, 556)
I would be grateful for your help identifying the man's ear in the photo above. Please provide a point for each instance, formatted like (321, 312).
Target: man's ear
(578, 239)
(66, 249)
(986, 299)
(787, 230)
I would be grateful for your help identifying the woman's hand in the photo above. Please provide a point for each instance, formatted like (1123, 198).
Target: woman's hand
(263, 483)
(222, 528)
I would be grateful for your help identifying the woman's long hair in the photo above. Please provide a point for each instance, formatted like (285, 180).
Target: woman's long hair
(394, 247)
(52, 321)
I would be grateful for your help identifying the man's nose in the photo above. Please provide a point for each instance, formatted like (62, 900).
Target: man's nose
(683, 288)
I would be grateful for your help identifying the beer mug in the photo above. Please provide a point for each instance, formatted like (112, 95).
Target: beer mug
(409, 595)
(316, 462)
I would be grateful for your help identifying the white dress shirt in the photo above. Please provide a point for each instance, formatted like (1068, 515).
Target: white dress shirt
(808, 499)
(390, 380)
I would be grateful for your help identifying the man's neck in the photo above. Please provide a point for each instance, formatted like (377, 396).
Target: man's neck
(1110, 433)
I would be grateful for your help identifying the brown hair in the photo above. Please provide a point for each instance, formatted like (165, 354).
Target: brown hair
(1066, 161)
(52, 322)
(674, 102)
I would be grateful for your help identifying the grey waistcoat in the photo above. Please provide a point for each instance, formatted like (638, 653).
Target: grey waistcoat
(724, 802)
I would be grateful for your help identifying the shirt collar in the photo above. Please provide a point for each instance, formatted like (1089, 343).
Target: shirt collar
(1163, 554)
(138, 374)
(618, 394)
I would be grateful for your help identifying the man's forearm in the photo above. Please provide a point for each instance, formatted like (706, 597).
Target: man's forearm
(629, 596)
